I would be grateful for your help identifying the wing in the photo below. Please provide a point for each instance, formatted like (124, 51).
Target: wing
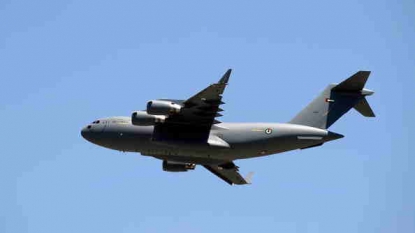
(229, 173)
(197, 115)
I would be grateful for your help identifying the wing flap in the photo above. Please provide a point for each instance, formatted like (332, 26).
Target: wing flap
(228, 172)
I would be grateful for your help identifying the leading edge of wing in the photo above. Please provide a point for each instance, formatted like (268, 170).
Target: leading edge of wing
(211, 95)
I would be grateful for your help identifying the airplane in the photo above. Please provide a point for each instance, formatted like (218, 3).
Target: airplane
(186, 133)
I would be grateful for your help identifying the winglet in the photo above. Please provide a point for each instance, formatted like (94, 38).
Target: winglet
(225, 77)
(248, 178)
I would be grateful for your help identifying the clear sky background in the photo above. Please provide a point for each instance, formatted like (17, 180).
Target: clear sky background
(64, 64)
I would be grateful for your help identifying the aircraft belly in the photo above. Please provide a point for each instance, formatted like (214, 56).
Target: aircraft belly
(190, 159)
(182, 151)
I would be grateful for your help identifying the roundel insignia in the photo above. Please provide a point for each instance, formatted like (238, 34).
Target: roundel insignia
(268, 131)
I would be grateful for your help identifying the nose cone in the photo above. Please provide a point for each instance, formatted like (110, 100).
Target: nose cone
(86, 132)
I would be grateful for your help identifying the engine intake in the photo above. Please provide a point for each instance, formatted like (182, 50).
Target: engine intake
(144, 119)
(162, 107)
(170, 166)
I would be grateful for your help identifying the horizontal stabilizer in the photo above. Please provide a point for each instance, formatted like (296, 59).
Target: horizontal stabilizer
(364, 108)
(354, 83)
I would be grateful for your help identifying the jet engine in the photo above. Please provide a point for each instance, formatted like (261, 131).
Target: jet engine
(170, 166)
(162, 107)
(142, 118)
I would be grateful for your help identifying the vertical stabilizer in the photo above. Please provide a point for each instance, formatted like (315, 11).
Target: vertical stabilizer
(335, 101)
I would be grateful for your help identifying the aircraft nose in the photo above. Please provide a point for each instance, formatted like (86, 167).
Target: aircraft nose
(86, 132)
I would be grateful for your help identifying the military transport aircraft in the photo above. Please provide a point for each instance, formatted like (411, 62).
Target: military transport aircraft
(186, 133)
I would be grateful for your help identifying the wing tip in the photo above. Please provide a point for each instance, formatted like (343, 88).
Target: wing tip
(225, 77)
(248, 178)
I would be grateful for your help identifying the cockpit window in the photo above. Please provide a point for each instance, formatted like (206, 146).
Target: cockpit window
(95, 122)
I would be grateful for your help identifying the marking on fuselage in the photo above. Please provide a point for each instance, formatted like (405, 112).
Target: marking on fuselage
(268, 130)
(257, 130)
(309, 137)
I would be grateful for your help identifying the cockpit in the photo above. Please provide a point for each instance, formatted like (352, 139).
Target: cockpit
(93, 123)
(95, 129)
(92, 130)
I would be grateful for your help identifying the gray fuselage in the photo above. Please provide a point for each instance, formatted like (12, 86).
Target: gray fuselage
(227, 141)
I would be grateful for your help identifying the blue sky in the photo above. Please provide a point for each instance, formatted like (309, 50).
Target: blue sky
(65, 63)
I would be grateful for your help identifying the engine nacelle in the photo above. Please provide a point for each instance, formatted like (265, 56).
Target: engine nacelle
(162, 107)
(143, 119)
(170, 166)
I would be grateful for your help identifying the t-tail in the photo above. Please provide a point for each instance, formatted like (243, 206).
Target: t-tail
(335, 101)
